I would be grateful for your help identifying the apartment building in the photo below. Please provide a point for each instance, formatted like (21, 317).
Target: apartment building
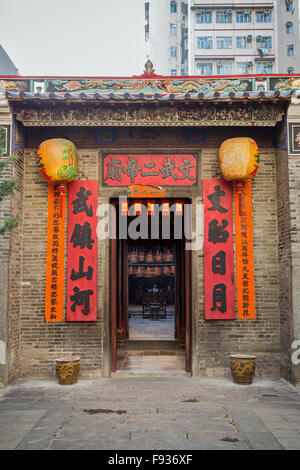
(7, 67)
(166, 35)
(219, 37)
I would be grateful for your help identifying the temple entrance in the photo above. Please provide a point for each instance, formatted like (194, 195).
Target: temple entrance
(150, 286)
(151, 290)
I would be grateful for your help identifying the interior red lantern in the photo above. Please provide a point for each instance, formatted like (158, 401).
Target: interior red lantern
(124, 207)
(178, 208)
(150, 207)
(137, 207)
(165, 208)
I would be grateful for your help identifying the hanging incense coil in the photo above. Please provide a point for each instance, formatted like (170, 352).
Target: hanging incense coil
(166, 270)
(168, 256)
(149, 271)
(157, 256)
(141, 255)
(140, 271)
(149, 257)
(157, 271)
(131, 271)
(133, 257)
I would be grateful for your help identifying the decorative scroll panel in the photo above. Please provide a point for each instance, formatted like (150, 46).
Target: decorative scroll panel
(218, 250)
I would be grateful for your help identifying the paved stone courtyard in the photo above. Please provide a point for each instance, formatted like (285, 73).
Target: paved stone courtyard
(151, 413)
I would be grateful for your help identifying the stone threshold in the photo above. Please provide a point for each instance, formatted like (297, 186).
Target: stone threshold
(151, 373)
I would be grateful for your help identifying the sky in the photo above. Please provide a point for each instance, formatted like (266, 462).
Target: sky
(74, 37)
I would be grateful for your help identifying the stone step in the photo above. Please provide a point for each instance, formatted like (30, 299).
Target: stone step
(150, 373)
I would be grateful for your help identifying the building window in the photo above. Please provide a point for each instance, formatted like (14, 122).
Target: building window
(174, 51)
(263, 16)
(264, 42)
(224, 68)
(204, 42)
(264, 67)
(204, 69)
(244, 68)
(203, 16)
(244, 42)
(173, 72)
(224, 42)
(146, 32)
(244, 16)
(173, 29)
(173, 6)
(147, 11)
(224, 16)
(289, 5)
(290, 50)
(289, 27)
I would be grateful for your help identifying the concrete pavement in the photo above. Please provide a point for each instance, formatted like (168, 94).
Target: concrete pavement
(151, 413)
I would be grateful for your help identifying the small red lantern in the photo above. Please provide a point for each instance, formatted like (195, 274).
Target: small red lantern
(165, 208)
(137, 207)
(124, 208)
(150, 207)
(178, 208)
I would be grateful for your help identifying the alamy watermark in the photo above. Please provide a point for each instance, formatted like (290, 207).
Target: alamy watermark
(296, 354)
(129, 224)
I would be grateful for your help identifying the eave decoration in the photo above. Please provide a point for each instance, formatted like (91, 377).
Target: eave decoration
(159, 114)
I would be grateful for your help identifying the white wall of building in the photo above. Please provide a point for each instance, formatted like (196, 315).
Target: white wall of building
(256, 40)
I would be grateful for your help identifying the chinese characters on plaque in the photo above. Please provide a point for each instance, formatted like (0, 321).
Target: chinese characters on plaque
(244, 254)
(218, 250)
(148, 169)
(82, 251)
(54, 296)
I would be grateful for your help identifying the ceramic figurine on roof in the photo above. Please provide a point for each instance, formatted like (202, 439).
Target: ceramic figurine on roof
(149, 67)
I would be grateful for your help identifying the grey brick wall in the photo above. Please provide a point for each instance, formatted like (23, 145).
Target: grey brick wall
(218, 339)
(213, 340)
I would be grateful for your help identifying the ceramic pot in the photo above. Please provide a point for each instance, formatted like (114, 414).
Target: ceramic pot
(67, 369)
(242, 368)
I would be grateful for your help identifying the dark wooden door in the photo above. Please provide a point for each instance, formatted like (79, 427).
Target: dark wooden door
(183, 300)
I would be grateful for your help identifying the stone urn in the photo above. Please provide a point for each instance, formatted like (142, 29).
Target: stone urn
(242, 368)
(67, 369)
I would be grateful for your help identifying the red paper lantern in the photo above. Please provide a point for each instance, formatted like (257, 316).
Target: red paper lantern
(165, 208)
(150, 207)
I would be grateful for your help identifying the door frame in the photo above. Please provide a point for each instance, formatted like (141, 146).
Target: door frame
(113, 265)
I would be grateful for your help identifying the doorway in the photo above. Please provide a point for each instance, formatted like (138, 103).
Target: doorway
(151, 290)
(150, 297)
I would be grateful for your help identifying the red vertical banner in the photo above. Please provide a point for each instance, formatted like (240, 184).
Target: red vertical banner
(54, 295)
(218, 250)
(82, 251)
(244, 253)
